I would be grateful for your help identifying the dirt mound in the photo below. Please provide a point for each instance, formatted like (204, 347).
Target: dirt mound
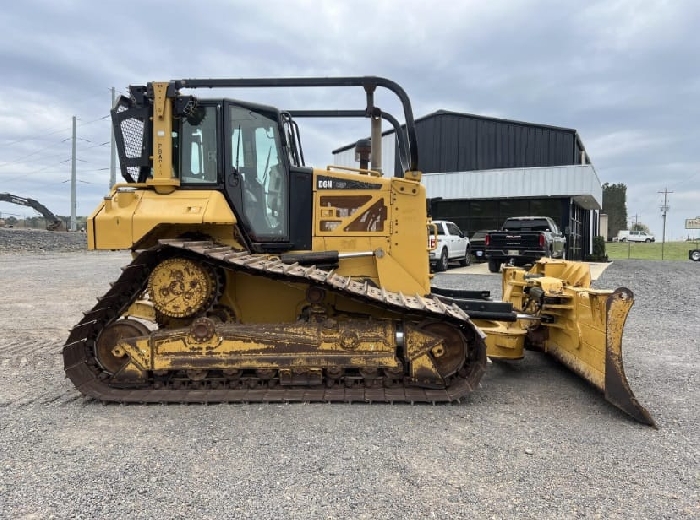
(17, 240)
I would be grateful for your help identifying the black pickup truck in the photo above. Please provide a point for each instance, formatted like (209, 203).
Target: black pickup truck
(523, 240)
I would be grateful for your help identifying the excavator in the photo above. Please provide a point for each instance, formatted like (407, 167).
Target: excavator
(257, 278)
(53, 223)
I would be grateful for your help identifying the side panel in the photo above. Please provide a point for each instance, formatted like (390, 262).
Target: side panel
(350, 215)
(383, 217)
(127, 215)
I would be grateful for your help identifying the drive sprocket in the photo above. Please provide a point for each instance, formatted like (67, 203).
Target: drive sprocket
(182, 287)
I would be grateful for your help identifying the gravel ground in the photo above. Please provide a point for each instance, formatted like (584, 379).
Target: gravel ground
(533, 442)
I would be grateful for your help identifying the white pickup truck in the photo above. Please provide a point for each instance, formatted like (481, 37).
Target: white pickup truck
(451, 245)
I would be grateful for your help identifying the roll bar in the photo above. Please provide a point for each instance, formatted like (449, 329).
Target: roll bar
(400, 135)
(369, 83)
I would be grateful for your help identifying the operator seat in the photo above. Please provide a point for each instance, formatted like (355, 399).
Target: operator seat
(254, 203)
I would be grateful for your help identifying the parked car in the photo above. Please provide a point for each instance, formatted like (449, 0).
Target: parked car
(477, 243)
(451, 245)
(637, 236)
(523, 240)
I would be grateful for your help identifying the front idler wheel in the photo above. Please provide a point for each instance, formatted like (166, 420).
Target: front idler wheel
(450, 356)
(111, 336)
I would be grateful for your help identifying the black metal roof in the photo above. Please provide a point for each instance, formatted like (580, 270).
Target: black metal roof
(467, 115)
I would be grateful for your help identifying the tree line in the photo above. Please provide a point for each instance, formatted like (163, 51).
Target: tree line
(615, 207)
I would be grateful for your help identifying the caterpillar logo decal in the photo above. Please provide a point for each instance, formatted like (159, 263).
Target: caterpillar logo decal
(323, 182)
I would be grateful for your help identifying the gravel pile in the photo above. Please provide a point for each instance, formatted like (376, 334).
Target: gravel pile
(533, 442)
(16, 240)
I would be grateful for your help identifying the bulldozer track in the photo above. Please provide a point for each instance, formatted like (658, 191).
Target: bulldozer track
(91, 380)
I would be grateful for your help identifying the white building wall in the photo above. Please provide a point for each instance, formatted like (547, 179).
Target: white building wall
(580, 182)
(347, 157)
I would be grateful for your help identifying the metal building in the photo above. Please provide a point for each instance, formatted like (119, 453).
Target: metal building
(480, 170)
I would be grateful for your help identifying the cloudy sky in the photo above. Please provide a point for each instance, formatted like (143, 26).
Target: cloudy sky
(624, 73)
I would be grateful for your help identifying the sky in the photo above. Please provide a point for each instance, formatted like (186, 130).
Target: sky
(625, 74)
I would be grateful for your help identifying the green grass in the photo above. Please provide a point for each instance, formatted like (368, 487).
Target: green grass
(652, 251)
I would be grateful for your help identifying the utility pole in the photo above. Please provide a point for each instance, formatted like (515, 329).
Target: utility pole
(112, 158)
(664, 210)
(636, 219)
(72, 182)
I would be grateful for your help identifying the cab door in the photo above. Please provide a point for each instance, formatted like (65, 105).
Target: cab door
(457, 246)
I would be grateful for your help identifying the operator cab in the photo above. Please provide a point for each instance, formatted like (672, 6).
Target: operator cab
(250, 153)
(253, 153)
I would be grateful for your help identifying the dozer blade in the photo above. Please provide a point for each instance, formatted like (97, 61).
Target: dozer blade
(617, 389)
(558, 313)
(588, 357)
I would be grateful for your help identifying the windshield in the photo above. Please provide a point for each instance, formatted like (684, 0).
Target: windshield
(526, 225)
(255, 155)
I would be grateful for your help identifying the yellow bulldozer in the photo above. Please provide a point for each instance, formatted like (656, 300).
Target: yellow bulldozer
(258, 278)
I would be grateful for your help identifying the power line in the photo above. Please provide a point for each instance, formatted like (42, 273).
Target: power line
(685, 181)
(98, 145)
(35, 171)
(62, 154)
(53, 132)
(36, 137)
(62, 129)
(95, 146)
(94, 120)
(54, 172)
(34, 153)
(15, 161)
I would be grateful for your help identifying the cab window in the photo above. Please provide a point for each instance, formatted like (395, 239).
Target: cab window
(199, 150)
(453, 229)
(255, 155)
